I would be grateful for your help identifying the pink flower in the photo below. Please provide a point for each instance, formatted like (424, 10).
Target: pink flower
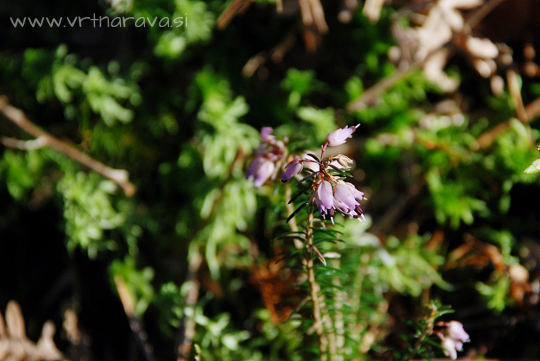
(340, 136)
(452, 338)
(324, 199)
(293, 168)
(268, 158)
(347, 199)
(266, 134)
(456, 331)
(449, 348)
(260, 170)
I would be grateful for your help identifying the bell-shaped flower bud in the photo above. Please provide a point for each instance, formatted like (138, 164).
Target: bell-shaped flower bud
(260, 170)
(457, 332)
(324, 198)
(340, 136)
(452, 338)
(266, 134)
(449, 347)
(292, 169)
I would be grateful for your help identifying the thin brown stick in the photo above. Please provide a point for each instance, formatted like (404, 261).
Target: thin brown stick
(371, 94)
(236, 7)
(37, 143)
(128, 303)
(317, 12)
(276, 55)
(279, 6)
(187, 326)
(481, 13)
(305, 12)
(17, 117)
(515, 93)
(532, 110)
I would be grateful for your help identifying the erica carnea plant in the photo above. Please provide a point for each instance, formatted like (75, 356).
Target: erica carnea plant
(319, 187)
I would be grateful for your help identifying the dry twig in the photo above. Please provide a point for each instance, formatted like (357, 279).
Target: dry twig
(128, 303)
(14, 345)
(532, 110)
(43, 138)
(235, 8)
(187, 326)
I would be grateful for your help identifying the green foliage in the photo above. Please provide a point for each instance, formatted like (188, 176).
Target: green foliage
(452, 202)
(138, 282)
(21, 172)
(89, 212)
(110, 99)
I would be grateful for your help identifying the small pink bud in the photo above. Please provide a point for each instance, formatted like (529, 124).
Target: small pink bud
(266, 134)
(293, 168)
(340, 136)
(324, 198)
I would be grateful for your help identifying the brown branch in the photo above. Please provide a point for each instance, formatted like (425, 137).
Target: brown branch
(135, 324)
(532, 110)
(235, 8)
(17, 117)
(24, 144)
(318, 15)
(481, 13)
(276, 55)
(279, 6)
(187, 327)
(371, 94)
(515, 93)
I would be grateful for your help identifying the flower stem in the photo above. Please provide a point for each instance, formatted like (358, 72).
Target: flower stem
(314, 288)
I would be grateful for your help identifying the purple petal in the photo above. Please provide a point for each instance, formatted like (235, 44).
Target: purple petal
(324, 197)
(449, 348)
(264, 172)
(345, 192)
(340, 136)
(250, 173)
(292, 169)
(266, 134)
(457, 332)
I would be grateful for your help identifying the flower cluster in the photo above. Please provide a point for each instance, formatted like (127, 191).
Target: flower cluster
(268, 158)
(452, 337)
(330, 191)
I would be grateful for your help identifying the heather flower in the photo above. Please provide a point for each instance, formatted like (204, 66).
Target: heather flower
(347, 199)
(449, 348)
(324, 199)
(293, 168)
(260, 170)
(268, 158)
(266, 134)
(452, 338)
(457, 332)
(340, 136)
(330, 191)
